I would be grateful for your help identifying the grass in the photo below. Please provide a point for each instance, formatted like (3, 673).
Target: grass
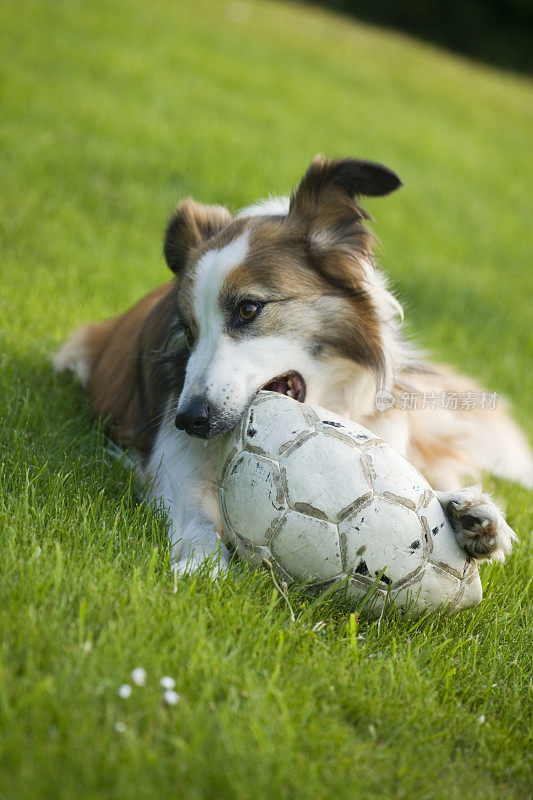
(111, 113)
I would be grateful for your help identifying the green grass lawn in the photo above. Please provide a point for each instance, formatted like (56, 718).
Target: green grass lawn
(111, 112)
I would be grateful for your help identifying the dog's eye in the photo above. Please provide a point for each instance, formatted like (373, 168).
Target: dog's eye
(189, 335)
(247, 311)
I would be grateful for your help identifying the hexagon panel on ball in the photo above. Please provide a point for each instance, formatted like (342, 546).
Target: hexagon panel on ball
(324, 477)
(434, 589)
(308, 548)
(253, 497)
(383, 535)
(260, 436)
(393, 476)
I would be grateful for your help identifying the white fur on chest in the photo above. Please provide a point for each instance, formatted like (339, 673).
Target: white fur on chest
(181, 474)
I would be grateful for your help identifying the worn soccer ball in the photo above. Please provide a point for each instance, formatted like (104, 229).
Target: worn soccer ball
(325, 501)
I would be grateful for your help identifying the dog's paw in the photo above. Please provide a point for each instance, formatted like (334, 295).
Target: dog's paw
(215, 564)
(479, 525)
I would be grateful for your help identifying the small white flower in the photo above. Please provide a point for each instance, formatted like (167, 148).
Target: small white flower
(171, 697)
(167, 682)
(120, 727)
(138, 676)
(481, 719)
(124, 691)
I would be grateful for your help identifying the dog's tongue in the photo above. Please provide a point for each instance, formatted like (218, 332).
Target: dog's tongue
(278, 386)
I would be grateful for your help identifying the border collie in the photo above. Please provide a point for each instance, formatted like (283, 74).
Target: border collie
(285, 296)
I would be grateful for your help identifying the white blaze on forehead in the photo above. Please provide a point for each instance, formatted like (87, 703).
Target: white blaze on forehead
(277, 206)
(211, 271)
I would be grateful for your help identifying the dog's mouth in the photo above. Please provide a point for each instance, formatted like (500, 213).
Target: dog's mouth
(291, 384)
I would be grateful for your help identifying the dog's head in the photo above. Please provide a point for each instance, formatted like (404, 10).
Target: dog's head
(281, 296)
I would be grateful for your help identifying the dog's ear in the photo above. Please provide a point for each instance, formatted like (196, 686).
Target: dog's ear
(190, 225)
(332, 187)
(324, 211)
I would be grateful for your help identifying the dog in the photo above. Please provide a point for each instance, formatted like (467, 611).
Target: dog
(285, 296)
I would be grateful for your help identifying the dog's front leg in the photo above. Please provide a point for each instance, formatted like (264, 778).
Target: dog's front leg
(180, 477)
(479, 525)
(195, 542)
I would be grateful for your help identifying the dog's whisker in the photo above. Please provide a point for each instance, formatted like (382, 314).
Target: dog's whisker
(157, 418)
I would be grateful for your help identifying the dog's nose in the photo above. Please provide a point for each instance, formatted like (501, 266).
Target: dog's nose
(195, 419)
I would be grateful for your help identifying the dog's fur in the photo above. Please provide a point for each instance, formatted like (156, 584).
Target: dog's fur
(325, 327)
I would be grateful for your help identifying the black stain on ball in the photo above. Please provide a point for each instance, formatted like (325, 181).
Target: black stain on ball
(362, 568)
(415, 544)
(251, 431)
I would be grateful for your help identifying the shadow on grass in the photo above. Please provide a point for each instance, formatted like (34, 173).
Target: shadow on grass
(496, 32)
(52, 443)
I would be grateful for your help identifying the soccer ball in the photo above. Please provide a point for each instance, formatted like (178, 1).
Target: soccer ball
(326, 501)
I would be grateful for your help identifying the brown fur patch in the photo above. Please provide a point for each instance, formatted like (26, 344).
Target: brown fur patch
(190, 224)
(125, 383)
(286, 262)
(275, 265)
(325, 213)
